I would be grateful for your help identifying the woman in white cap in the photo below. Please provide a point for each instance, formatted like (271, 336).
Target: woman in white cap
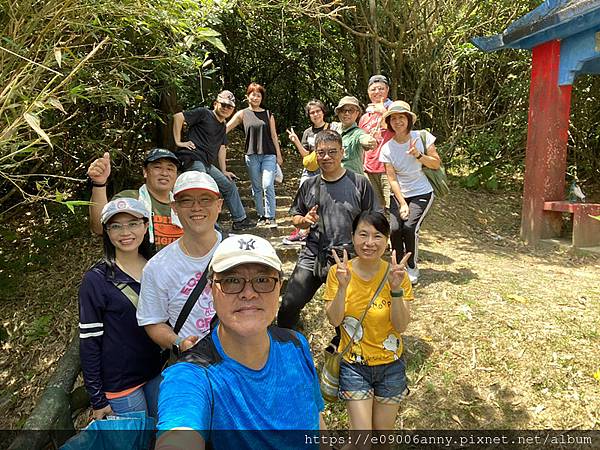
(120, 363)
(404, 157)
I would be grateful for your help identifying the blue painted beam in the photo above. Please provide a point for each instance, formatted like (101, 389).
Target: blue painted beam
(575, 52)
(560, 31)
(552, 20)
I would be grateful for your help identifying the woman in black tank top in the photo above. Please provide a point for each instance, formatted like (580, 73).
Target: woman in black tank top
(262, 152)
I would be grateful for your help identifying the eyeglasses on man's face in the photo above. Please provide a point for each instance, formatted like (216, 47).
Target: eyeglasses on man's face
(332, 152)
(225, 105)
(189, 202)
(120, 227)
(261, 284)
(348, 110)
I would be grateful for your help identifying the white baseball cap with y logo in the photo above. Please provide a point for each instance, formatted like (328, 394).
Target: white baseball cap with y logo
(244, 249)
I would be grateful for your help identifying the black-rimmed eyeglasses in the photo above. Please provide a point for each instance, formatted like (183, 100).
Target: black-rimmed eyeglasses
(202, 201)
(234, 285)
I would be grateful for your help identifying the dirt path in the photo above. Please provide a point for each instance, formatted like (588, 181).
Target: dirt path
(503, 336)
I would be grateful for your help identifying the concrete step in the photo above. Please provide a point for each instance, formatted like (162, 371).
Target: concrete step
(285, 193)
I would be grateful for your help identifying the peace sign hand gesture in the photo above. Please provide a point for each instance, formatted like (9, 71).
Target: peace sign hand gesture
(397, 271)
(413, 149)
(342, 272)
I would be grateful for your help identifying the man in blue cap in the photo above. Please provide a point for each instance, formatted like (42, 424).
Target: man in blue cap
(160, 172)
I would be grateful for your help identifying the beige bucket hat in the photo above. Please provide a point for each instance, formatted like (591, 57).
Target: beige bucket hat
(348, 100)
(398, 107)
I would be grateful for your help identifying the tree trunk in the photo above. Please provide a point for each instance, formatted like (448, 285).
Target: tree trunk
(376, 60)
(164, 127)
(53, 411)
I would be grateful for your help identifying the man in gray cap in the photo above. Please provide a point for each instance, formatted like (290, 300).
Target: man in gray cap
(160, 172)
(370, 121)
(205, 150)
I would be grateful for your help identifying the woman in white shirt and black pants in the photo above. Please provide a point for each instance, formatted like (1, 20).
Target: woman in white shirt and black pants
(404, 157)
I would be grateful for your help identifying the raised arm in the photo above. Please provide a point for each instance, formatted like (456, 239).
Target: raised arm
(400, 309)
(336, 308)
(99, 171)
(294, 139)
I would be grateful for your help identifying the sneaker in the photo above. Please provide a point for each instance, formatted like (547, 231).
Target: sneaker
(296, 237)
(271, 223)
(262, 221)
(243, 224)
(413, 275)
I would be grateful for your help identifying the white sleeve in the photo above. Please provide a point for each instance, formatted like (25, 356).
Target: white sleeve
(153, 301)
(384, 154)
(429, 138)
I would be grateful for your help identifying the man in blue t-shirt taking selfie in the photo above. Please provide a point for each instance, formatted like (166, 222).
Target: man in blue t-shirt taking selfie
(245, 374)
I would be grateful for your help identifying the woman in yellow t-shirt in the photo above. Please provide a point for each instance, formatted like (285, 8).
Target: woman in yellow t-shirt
(372, 372)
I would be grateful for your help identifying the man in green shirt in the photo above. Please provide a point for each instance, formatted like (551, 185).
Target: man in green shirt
(354, 139)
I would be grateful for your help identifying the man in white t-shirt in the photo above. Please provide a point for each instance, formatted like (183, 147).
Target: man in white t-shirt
(170, 276)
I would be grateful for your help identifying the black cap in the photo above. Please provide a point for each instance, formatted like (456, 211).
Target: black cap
(160, 153)
(378, 79)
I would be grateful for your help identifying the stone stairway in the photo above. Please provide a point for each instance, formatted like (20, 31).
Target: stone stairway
(285, 193)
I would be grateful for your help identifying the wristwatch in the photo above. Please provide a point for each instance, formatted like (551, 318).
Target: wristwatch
(175, 347)
(420, 156)
(396, 294)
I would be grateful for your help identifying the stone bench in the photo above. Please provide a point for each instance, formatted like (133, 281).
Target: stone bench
(586, 230)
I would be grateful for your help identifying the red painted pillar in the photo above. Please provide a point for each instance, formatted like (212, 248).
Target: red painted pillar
(546, 156)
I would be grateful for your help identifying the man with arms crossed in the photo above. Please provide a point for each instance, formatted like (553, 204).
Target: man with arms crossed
(205, 148)
(172, 274)
(245, 374)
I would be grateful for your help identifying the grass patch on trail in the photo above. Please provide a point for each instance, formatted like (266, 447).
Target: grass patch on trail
(503, 336)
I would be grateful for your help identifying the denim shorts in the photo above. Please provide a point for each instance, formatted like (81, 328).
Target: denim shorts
(386, 382)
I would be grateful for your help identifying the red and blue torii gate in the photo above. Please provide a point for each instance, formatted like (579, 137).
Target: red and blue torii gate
(564, 37)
